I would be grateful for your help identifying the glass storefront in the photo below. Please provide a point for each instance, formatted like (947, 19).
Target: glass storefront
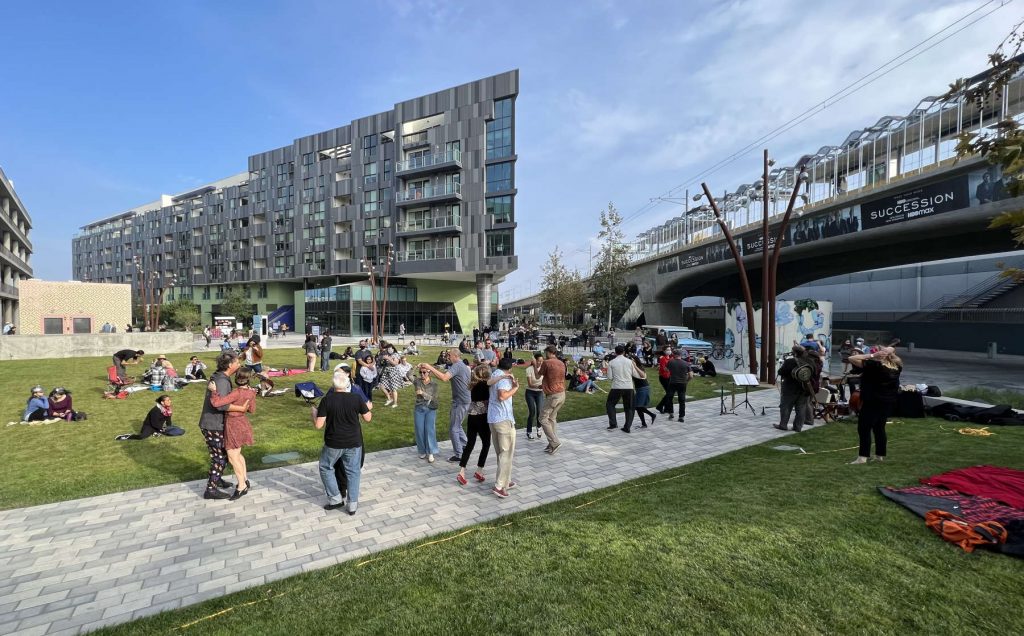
(347, 310)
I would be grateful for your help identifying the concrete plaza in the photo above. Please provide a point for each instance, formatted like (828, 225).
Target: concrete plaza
(71, 567)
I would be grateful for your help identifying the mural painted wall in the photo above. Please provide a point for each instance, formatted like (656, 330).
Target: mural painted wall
(793, 319)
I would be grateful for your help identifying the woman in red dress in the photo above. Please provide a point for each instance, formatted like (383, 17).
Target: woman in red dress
(237, 428)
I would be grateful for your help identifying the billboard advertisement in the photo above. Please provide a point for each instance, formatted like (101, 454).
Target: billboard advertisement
(927, 200)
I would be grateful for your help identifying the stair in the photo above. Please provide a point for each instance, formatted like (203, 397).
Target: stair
(950, 305)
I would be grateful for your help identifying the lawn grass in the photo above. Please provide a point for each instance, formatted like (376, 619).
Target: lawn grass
(988, 396)
(57, 462)
(756, 541)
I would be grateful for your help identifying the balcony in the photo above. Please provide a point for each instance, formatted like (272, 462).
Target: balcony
(16, 261)
(415, 140)
(426, 164)
(429, 194)
(439, 225)
(430, 254)
(10, 290)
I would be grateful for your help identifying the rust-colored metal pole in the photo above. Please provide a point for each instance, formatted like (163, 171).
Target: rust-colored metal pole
(765, 289)
(774, 270)
(384, 304)
(744, 282)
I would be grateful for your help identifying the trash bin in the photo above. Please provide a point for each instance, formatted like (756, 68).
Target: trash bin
(992, 349)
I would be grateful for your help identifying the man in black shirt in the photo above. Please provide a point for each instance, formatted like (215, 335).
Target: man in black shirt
(126, 356)
(679, 375)
(340, 412)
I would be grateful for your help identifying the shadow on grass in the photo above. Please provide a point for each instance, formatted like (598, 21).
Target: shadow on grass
(161, 456)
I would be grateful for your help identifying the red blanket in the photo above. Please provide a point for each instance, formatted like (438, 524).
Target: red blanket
(1002, 484)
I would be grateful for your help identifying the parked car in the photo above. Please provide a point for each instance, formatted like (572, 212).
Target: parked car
(684, 336)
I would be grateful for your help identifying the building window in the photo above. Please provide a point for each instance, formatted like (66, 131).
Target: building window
(387, 171)
(261, 291)
(500, 208)
(499, 243)
(370, 173)
(307, 159)
(369, 147)
(499, 130)
(53, 326)
(206, 293)
(499, 177)
(370, 199)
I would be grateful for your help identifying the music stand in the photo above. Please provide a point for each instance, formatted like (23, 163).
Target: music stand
(745, 380)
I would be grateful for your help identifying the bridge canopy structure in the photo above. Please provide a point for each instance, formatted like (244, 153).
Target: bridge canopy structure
(872, 159)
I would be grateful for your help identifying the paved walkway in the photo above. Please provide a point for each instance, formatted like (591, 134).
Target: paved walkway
(71, 567)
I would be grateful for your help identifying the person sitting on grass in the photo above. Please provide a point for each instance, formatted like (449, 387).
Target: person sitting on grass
(584, 383)
(60, 405)
(345, 355)
(196, 369)
(157, 422)
(38, 408)
(411, 349)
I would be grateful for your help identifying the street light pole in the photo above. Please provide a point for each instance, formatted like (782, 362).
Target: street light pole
(384, 303)
(765, 299)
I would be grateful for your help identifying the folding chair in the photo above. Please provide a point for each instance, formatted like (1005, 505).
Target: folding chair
(825, 405)
(308, 391)
(114, 383)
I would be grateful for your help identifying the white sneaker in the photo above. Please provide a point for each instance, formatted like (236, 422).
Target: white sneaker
(424, 456)
(430, 459)
(388, 403)
(860, 460)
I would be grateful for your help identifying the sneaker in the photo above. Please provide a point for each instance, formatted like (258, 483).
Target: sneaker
(860, 460)
(423, 456)
(337, 506)
(455, 459)
(500, 493)
(511, 485)
(479, 477)
(352, 507)
(612, 428)
(878, 458)
(394, 406)
(554, 449)
(530, 436)
(430, 459)
(388, 403)
(213, 493)
(461, 479)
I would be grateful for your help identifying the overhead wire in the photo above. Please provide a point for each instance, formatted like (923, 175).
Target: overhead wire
(850, 89)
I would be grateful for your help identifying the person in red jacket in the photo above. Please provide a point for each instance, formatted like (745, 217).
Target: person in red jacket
(663, 376)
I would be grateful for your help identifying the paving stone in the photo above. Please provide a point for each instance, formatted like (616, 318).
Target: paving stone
(100, 572)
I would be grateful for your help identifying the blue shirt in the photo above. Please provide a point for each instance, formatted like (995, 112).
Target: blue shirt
(33, 404)
(500, 410)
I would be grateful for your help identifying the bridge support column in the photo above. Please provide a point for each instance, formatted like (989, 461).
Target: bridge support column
(658, 313)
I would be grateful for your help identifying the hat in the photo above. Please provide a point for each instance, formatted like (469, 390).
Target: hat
(343, 365)
(38, 389)
(161, 357)
(60, 390)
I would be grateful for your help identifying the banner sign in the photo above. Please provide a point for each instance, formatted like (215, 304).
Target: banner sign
(751, 243)
(934, 198)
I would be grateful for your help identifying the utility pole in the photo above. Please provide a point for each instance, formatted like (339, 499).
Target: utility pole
(766, 300)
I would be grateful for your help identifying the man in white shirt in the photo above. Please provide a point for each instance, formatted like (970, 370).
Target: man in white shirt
(621, 371)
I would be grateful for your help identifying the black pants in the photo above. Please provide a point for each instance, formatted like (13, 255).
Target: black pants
(476, 425)
(614, 395)
(218, 457)
(37, 415)
(664, 386)
(672, 391)
(871, 421)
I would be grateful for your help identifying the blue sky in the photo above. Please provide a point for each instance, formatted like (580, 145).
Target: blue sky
(109, 104)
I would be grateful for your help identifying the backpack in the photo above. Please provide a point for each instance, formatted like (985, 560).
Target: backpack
(963, 533)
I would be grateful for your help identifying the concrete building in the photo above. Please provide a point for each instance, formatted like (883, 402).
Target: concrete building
(424, 191)
(15, 250)
(73, 307)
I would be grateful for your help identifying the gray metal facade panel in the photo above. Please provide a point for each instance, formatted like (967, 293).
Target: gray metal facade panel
(466, 107)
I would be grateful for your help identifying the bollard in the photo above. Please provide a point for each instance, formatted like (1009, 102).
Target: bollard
(910, 346)
(992, 350)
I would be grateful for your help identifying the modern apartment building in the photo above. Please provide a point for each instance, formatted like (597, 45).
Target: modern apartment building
(15, 250)
(424, 192)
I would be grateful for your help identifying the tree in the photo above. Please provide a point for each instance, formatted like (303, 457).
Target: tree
(237, 305)
(608, 282)
(564, 291)
(1004, 143)
(181, 314)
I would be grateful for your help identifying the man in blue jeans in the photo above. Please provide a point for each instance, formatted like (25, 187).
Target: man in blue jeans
(340, 411)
